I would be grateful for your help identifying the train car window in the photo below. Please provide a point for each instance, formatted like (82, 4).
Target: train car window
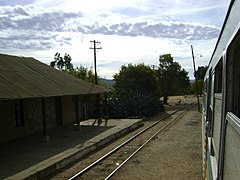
(206, 84)
(209, 109)
(236, 82)
(233, 77)
(218, 77)
(205, 96)
(217, 108)
(212, 90)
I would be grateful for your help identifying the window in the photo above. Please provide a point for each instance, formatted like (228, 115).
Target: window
(236, 82)
(217, 110)
(209, 99)
(19, 115)
(233, 80)
(218, 77)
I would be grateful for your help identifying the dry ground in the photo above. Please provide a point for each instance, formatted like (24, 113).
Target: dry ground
(174, 154)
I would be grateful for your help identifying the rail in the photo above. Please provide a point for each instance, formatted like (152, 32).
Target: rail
(186, 106)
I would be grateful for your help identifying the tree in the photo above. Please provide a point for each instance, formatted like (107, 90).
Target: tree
(200, 87)
(62, 63)
(137, 77)
(83, 73)
(172, 78)
(136, 92)
(67, 62)
(201, 71)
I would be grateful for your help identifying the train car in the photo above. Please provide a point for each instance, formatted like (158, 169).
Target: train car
(221, 107)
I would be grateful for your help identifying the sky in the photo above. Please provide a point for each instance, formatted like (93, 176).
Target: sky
(130, 31)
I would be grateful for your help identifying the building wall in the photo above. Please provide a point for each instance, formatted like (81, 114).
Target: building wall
(33, 115)
(68, 110)
(32, 111)
(6, 120)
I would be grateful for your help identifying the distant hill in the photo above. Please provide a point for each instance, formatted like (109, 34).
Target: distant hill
(108, 82)
(111, 82)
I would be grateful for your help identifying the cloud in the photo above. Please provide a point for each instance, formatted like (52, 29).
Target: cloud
(31, 18)
(156, 30)
(90, 7)
(24, 18)
(130, 30)
(32, 40)
(131, 11)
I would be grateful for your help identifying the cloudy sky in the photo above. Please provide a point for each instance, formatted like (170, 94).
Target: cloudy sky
(130, 31)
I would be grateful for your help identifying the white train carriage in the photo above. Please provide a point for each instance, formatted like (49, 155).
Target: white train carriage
(221, 103)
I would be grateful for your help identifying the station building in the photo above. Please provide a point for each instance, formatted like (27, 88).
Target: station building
(35, 97)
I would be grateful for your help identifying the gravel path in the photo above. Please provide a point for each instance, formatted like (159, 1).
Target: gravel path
(174, 154)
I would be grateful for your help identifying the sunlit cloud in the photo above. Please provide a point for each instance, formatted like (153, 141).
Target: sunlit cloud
(130, 31)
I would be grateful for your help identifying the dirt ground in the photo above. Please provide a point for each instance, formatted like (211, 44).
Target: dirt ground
(174, 154)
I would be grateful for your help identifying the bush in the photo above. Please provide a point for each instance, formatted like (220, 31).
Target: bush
(136, 104)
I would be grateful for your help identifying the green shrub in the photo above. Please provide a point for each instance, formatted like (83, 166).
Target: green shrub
(135, 104)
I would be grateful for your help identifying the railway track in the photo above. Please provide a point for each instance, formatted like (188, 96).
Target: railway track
(109, 163)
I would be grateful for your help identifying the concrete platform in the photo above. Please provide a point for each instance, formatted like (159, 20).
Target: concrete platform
(34, 158)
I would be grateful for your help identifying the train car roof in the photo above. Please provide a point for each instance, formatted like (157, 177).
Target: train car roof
(228, 31)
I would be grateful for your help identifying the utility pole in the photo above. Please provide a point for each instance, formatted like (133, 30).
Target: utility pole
(95, 43)
(195, 75)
